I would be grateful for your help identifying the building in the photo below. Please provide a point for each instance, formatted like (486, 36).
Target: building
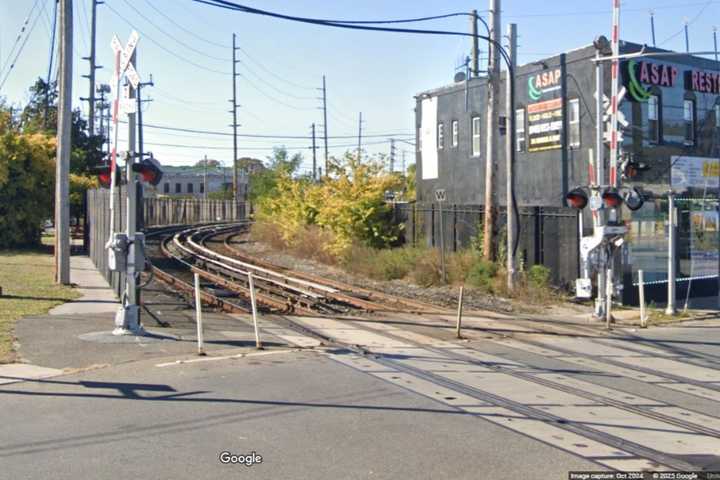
(194, 180)
(672, 109)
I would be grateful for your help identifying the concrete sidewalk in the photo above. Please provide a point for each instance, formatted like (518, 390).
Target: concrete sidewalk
(97, 295)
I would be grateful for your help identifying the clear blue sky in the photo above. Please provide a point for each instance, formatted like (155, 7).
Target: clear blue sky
(376, 73)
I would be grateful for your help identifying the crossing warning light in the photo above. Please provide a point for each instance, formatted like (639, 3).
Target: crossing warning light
(104, 175)
(148, 171)
(612, 198)
(577, 198)
(634, 199)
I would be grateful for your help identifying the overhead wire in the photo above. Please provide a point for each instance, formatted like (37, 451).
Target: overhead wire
(19, 37)
(173, 37)
(166, 49)
(22, 47)
(694, 19)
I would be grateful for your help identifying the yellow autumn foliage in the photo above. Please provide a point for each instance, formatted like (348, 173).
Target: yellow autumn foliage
(348, 203)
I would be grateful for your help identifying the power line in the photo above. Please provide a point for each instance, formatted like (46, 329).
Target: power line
(258, 135)
(282, 92)
(185, 29)
(314, 21)
(22, 47)
(695, 18)
(164, 48)
(172, 37)
(20, 34)
(214, 147)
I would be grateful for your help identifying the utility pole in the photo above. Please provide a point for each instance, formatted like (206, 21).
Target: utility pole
(715, 47)
(687, 38)
(325, 124)
(64, 145)
(652, 26)
(491, 127)
(510, 153)
(205, 185)
(403, 162)
(359, 150)
(234, 124)
(50, 65)
(475, 69)
(314, 150)
(93, 67)
(392, 155)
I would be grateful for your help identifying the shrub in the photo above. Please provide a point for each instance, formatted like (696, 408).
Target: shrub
(482, 275)
(427, 271)
(539, 276)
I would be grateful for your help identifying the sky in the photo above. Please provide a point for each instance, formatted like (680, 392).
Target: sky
(186, 47)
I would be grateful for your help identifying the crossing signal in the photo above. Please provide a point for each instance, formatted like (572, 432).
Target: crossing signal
(148, 171)
(104, 175)
(630, 168)
(611, 198)
(577, 198)
(634, 199)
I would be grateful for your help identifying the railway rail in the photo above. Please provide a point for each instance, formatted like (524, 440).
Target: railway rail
(278, 290)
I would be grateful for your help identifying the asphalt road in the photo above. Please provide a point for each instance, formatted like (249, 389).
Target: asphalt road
(506, 402)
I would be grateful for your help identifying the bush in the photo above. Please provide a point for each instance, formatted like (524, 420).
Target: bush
(539, 276)
(482, 275)
(427, 271)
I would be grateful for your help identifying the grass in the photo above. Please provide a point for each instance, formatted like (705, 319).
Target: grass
(26, 277)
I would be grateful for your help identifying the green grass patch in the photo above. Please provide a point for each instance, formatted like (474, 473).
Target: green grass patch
(26, 277)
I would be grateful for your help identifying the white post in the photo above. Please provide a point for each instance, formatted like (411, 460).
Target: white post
(251, 283)
(198, 315)
(641, 287)
(608, 296)
(459, 313)
(672, 225)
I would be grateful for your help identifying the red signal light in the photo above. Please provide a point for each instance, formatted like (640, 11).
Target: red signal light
(612, 198)
(148, 172)
(577, 198)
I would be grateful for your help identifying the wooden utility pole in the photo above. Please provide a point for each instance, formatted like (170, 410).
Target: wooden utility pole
(510, 154)
(93, 67)
(359, 150)
(64, 145)
(325, 125)
(491, 127)
(314, 150)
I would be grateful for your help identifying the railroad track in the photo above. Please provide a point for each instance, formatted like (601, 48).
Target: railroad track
(277, 290)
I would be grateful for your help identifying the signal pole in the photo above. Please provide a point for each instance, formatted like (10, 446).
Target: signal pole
(314, 150)
(491, 127)
(234, 124)
(325, 124)
(510, 154)
(62, 170)
(93, 67)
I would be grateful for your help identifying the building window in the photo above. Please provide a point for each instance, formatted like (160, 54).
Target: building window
(475, 136)
(440, 136)
(178, 188)
(717, 115)
(654, 118)
(190, 188)
(520, 130)
(455, 133)
(166, 187)
(574, 123)
(689, 118)
(202, 188)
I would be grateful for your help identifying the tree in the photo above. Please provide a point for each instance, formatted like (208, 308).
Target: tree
(27, 174)
(264, 182)
(210, 163)
(86, 150)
